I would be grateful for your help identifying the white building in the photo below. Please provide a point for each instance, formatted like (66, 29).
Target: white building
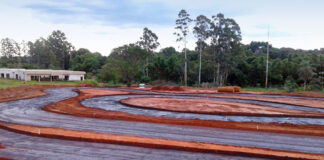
(41, 74)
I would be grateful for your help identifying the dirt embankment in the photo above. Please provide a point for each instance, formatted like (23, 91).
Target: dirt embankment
(32, 91)
(214, 107)
(72, 106)
(157, 143)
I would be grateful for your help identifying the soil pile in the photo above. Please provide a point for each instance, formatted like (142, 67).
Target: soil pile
(166, 88)
(229, 89)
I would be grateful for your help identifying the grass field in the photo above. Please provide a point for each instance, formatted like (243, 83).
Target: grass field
(274, 90)
(263, 89)
(8, 83)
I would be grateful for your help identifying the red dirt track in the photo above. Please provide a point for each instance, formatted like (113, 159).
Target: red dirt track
(214, 107)
(73, 107)
(157, 143)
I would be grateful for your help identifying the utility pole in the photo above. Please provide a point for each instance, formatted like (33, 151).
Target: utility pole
(267, 65)
(185, 67)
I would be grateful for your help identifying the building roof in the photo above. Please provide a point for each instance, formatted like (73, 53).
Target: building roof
(47, 71)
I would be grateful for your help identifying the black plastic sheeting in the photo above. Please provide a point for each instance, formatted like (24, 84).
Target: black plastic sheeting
(28, 111)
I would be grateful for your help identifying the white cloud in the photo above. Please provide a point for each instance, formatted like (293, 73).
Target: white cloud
(295, 24)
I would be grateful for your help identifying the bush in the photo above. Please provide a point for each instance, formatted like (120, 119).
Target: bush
(290, 85)
(145, 79)
(315, 84)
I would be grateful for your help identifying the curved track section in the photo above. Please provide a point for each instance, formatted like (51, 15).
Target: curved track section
(112, 103)
(28, 111)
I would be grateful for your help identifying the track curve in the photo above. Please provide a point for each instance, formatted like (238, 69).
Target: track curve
(28, 111)
(112, 103)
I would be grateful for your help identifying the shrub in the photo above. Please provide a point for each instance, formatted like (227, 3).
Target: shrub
(145, 79)
(290, 85)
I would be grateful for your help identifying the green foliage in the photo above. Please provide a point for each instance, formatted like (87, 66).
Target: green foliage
(290, 85)
(88, 62)
(89, 81)
(315, 84)
(149, 40)
(145, 79)
(124, 63)
(168, 51)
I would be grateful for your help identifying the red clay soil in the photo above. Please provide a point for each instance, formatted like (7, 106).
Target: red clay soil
(157, 143)
(73, 107)
(214, 107)
(230, 89)
(166, 88)
(31, 91)
(293, 101)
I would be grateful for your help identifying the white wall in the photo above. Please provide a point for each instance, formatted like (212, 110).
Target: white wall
(23, 76)
(12, 73)
(75, 77)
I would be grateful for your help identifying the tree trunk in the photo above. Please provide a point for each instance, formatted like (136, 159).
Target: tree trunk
(304, 85)
(63, 65)
(199, 78)
(214, 63)
(218, 74)
(145, 67)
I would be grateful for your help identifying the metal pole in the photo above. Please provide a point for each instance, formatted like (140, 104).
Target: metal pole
(267, 67)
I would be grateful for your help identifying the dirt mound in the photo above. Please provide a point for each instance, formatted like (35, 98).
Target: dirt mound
(166, 88)
(156, 88)
(237, 89)
(226, 89)
(160, 88)
(229, 89)
(177, 89)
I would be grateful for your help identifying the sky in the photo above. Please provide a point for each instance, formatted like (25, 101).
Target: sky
(101, 25)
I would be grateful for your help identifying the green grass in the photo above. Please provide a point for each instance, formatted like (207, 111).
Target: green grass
(263, 89)
(8, 83)
(300, 89)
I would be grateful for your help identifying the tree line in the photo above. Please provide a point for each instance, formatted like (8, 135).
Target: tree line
(218, 59)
